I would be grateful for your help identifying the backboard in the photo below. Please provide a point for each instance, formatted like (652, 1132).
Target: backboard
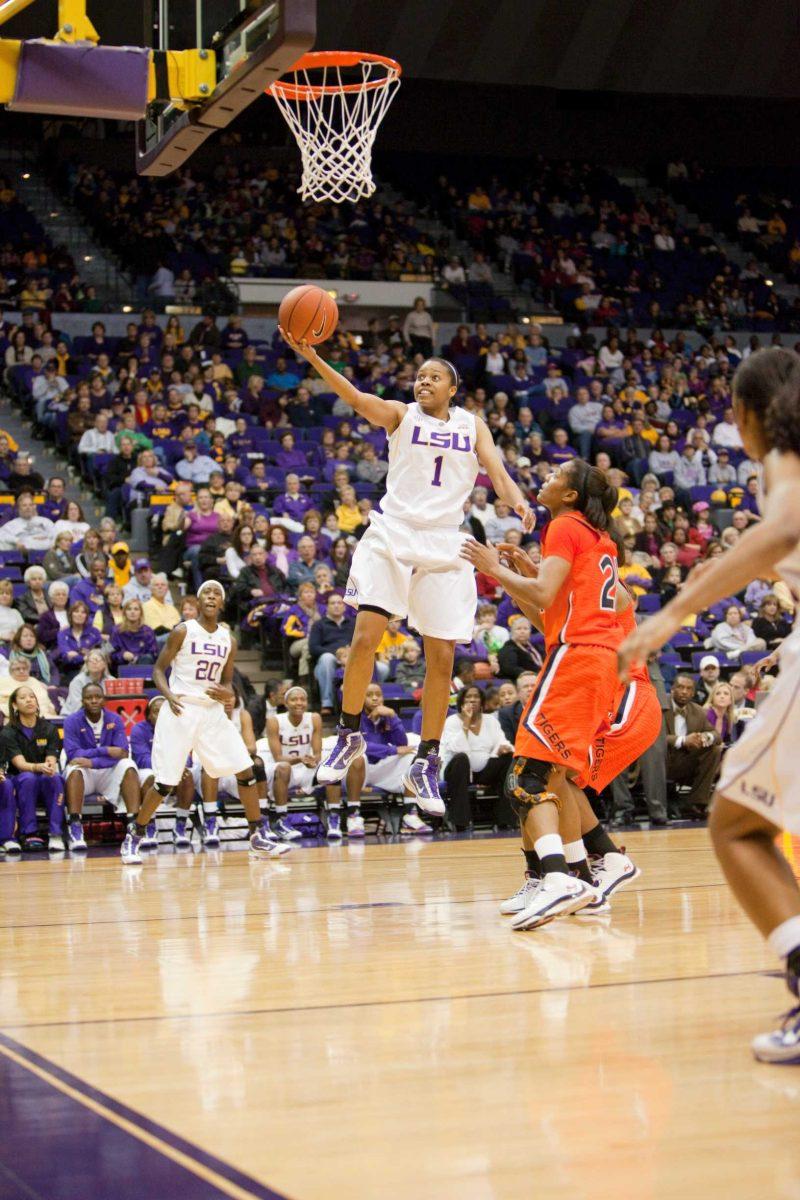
(254, 41)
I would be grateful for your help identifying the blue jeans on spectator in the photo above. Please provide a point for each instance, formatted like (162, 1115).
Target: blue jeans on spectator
(191, 555)
(637, 468)
(583, 442)
(325, 670)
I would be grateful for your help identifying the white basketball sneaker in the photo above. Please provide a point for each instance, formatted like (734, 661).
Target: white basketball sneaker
(558, 895)
(782, 1045)
(521, 898)
(613, 871)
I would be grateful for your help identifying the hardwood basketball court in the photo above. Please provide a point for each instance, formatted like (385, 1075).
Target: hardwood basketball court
(360, 1022)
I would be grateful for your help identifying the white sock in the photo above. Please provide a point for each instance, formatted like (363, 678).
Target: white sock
(785, 937)
(549, 844)
(574, 852)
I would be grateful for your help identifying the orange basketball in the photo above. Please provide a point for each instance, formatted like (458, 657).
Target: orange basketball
(309, 314)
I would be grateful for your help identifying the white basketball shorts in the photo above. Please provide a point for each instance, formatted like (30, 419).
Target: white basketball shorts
(302, 779)
(202, 730)
(760, 771)
(388, 772)
(103, 781)
(415, 573)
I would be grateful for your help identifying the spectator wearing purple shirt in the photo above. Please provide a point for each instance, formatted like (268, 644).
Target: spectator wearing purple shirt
(290, 508)
(91, 591)
(75, 642)
(289, 459)
(241, 442)
(201, 522)
(132, 641)
(55, 501)
(234, 337)
(559, 450)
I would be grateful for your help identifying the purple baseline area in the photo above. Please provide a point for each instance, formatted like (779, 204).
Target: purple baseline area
(55, 1148)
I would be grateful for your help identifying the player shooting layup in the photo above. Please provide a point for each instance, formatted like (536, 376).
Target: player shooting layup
(201, 655)
(407, 562)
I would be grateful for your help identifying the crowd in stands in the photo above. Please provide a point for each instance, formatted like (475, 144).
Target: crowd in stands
(756, 208)
(569, 233)
(575, 236)
(244, 219)
(251, 473)
(35, 274)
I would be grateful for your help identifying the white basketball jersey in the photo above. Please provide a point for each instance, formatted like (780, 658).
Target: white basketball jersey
(432, 469)
(295, 739)
(199, 662)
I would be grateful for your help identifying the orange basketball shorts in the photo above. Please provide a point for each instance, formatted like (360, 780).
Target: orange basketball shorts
(633, 729)
(574, 694)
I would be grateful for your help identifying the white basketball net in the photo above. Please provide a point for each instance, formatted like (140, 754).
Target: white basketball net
(334, 114)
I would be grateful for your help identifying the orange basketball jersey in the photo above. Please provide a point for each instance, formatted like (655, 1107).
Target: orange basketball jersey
(584, 610)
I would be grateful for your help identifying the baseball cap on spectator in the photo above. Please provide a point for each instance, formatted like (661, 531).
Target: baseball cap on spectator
(523, 462)
(722, 452)
(141, 564)
(120, 548)
(708, 660)
(700, 506)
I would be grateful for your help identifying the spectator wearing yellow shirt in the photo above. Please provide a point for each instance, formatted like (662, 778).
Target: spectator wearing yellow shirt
(635, 576)
(348, 514)
(159, 612)
(391, 644)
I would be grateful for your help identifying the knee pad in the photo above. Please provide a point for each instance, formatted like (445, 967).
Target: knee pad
(251, 782)
(527, 786)
(258, 771)
(164, 789)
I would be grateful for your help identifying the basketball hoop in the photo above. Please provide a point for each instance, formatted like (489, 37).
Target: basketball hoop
(333, 102)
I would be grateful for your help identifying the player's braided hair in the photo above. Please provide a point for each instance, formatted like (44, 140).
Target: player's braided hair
(597, 498)
(768, 384)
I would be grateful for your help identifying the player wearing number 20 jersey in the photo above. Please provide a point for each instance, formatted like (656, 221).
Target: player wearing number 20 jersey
(202, 729)
(408, 560)
(577, 685)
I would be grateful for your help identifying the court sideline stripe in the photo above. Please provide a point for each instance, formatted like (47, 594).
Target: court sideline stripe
(328, 908)
(222, 1175)
(346, 1004)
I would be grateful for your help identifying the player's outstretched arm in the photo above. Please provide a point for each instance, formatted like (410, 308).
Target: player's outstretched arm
(163, 662)
(385, 413)
(755, 555)
(504, 486)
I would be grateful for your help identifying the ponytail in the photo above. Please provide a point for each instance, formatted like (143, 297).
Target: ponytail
(768, 384)
(597, 499)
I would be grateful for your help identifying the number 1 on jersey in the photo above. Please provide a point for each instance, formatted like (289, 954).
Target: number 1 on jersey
(438, 463)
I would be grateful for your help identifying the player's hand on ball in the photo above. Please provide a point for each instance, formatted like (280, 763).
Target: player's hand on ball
(220, 693)
(483, 558)
(528, 517)
(301, 348)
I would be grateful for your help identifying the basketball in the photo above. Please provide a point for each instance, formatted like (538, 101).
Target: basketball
(308, 313)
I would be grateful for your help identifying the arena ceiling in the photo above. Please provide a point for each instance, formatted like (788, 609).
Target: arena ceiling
(678, 47)
(682, 47)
